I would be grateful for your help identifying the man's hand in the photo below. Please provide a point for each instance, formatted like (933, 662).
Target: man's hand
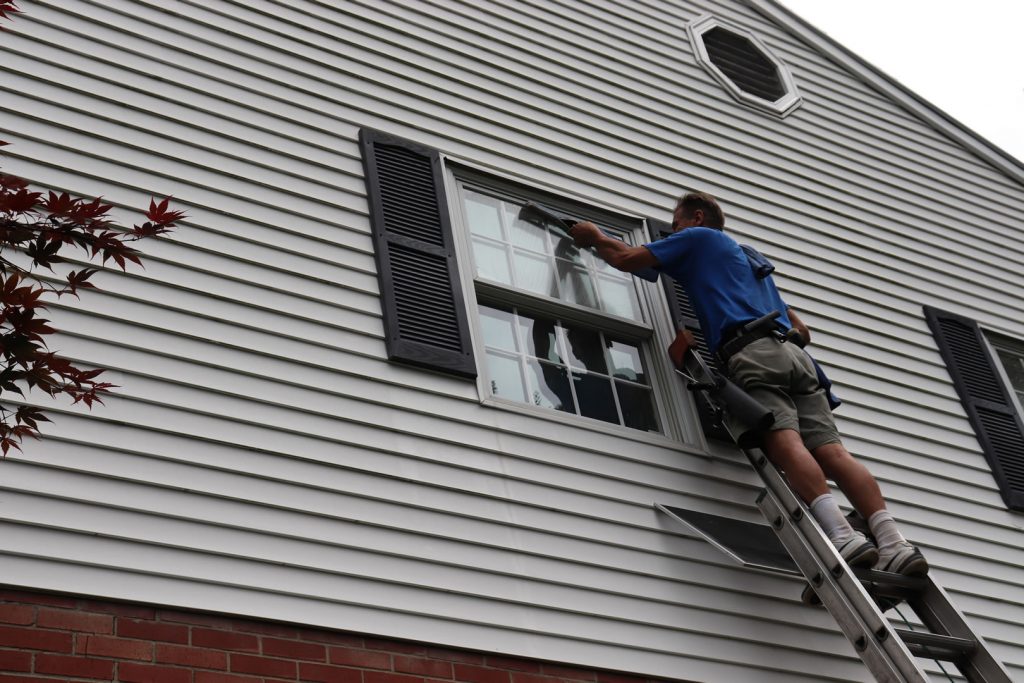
(677, 349)
(585, 234)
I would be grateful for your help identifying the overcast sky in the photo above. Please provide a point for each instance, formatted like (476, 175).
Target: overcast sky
(966, 58)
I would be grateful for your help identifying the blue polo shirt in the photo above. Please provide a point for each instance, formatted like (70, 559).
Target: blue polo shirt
(717, 276)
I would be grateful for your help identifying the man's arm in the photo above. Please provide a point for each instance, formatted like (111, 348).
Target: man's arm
(615, 253)
(799, 325)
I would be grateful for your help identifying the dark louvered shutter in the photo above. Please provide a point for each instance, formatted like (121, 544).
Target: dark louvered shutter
(986, 399)
(686, 317)
(424, 311)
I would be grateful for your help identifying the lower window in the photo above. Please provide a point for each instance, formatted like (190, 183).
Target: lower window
(544, 362)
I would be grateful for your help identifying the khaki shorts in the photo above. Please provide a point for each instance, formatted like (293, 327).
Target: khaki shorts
(782, 378)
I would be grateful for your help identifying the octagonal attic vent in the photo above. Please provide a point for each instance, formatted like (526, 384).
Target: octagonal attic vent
(743, 64)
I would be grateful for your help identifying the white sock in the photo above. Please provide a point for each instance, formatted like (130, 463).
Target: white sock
(831, 518)
(883, 528)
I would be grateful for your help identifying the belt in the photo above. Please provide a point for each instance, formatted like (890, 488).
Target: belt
(730, 348)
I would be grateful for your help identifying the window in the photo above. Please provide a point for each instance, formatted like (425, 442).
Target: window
(987, 378)
(556, 330)
(1011, 355)
(743, 65)
(560, 330)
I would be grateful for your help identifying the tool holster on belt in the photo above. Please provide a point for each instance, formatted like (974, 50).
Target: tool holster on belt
(739, 337)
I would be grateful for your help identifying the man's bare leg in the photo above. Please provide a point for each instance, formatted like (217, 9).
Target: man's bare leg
(785, 448)
(852, 477)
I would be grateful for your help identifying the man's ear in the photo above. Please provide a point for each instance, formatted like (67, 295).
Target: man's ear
(698, 216)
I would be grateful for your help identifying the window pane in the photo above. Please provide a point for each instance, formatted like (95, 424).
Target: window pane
(577, 286)
(498, 328)
(505, 376)
(594, 393)
(539, 336)
(491, 262)
(585, 350)
(549, 386)
(637, 407)
(525, 234)
(625, 360)
(482, 214)
(1014, 365)
(533, 273)
(618, 297)
(566, 249)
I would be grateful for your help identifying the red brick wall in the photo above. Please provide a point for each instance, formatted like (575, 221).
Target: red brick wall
(46, 637)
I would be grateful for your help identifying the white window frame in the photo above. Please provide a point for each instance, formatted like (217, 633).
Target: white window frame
(674, 409)
(781, 107)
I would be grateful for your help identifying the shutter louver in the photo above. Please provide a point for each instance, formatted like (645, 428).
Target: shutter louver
(425, 320)
(996, 422)
(686, 317)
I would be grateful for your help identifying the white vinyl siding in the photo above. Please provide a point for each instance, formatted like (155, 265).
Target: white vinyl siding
(263, 458)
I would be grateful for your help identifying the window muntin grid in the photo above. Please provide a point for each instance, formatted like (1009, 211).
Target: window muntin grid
(545, 362)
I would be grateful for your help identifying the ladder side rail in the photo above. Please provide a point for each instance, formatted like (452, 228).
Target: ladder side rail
(940, 615)
(886, 657)
(840, 591)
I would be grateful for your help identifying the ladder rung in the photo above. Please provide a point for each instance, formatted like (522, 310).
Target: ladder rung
(934, 646)
(890, 585)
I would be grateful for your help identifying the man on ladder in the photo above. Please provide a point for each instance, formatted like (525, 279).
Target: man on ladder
(803, 441)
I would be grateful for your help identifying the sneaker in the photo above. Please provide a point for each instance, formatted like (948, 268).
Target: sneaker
(858, 551)
(903, 559)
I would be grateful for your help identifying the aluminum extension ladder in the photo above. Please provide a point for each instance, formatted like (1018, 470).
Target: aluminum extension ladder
(889, 653)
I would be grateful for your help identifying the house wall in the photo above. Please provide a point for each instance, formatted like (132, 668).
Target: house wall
(262, 458)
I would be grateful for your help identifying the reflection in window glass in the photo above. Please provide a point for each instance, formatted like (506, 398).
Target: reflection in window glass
(566, 368)
(1013, 363)
(542, 260)
(505, 375)
(483, 215)
(491, 262)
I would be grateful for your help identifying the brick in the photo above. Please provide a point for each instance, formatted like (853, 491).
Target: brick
(75, 621)
(13, 660)
(275, 647)
(569, 672)
(365, 659)
(513, 664)
(128, 672)
(152, 630)
(75, 667)
(265, 666)
(118, 609)
(34, 639)
(430, 668)
(216, 677)
(23, 615)
(191, 656)
(395, 646)
(455, 655)
(225, 640)
(387, 677)
(523, 677)
(321, 673)
(332, 638)
(480, 674)
(32, 679)
(31, 598)
(607, 677)
(196, 619)
(108, 646)
(278, 630)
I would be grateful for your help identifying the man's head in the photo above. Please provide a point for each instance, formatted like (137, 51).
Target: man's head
(697, 209)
